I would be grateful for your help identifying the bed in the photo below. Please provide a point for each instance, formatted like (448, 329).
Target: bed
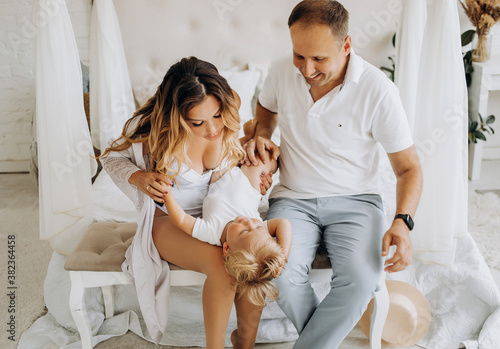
(241, 38)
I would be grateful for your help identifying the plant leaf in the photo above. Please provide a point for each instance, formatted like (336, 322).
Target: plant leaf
(481, 136)
(467, 36)
(473, 126)
(490, 119)
(394, 40)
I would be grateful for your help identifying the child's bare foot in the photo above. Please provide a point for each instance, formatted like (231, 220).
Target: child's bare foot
(249, 130)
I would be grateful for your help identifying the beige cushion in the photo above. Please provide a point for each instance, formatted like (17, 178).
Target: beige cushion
(102, 248)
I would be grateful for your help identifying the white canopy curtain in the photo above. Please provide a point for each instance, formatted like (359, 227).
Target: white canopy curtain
(430, 76)
(64, 146)
(111, 99)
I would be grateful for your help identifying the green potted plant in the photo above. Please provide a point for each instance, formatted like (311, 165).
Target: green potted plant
(477, 129)
(467, 38)
(478, 126)
(391, 70)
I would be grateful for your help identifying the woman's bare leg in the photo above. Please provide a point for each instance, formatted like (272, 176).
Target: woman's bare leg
(248, 318)
(179, 248)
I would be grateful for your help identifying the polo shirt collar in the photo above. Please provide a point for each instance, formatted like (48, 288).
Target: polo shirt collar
(355, 68)
(354, 71)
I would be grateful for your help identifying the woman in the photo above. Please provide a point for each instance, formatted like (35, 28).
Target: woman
(187, 129)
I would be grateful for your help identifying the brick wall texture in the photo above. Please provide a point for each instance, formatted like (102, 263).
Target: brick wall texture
(18, 30)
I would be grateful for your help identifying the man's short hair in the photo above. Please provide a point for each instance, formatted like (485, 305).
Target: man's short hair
(327, 12)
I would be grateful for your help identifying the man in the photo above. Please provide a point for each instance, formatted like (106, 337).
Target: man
(333, 108)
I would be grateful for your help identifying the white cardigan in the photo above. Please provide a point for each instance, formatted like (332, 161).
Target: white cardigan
(142, 260)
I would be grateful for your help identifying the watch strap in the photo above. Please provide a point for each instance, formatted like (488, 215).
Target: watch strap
(407, 219)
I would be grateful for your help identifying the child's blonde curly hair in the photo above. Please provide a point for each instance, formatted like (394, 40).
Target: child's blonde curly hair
(255, 270)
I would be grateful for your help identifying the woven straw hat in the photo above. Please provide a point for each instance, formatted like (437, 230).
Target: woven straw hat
(408, 319)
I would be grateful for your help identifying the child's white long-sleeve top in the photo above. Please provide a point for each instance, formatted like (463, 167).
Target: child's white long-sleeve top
(229, 197)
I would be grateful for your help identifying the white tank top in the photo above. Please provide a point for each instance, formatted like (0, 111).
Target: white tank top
(190, 190)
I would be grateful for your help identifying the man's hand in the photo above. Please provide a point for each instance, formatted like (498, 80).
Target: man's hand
(259, 145)
(398, 235)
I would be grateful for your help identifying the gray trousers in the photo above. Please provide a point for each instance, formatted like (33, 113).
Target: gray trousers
(351, 228)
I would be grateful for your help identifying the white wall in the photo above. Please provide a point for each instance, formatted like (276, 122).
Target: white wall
(492, 146)
(372, 26)
(17, 74)
(373, 23)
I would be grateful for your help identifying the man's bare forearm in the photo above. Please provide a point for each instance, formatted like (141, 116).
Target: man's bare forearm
(408, 190)
(266, 122)
(409, 180)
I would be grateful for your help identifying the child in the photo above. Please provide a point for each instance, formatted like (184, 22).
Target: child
(251, 255)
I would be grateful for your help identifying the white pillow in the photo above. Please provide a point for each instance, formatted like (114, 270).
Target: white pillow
(110, 203)
(245, 84)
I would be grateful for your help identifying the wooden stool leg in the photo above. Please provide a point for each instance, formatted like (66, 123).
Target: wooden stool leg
(78, 311)
(379, 315)
(109, 302)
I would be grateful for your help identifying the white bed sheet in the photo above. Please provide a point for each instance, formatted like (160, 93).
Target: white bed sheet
(464, 299)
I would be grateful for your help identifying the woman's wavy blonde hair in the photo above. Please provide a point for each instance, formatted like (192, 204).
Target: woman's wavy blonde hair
(255, 270)
(161, 120)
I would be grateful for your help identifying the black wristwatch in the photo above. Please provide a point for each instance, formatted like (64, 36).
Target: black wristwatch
(407, 219)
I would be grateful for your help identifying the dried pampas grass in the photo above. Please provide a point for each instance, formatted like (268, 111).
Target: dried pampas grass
(483, 14)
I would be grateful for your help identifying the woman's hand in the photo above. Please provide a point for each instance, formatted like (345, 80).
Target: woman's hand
(155, 185)
(266, 180)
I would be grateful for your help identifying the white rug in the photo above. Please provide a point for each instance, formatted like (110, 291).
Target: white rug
(484, 226)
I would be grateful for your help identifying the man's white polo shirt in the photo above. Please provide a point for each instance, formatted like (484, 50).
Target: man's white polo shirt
(329, 147)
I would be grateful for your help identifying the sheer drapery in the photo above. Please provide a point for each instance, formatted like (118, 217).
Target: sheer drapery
(409, 50)
(440, 123)
(111, 99)
(64, 145)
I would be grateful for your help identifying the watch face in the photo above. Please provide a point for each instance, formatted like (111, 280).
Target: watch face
(407, 219)
(409, 222)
